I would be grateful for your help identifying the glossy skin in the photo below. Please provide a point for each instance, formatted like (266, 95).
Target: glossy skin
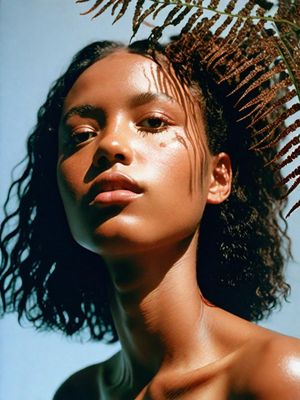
(135, 173)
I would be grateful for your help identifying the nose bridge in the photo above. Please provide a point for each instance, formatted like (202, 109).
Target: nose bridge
(114, 141)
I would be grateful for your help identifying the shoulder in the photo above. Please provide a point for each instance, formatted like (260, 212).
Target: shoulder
(82, 384)
(272, 368)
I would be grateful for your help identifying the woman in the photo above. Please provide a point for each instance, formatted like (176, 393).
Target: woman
(142, 211)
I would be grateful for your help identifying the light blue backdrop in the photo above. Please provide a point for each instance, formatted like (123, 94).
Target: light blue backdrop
(37, 40)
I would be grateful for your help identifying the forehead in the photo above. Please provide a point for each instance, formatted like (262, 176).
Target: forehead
(121, 73)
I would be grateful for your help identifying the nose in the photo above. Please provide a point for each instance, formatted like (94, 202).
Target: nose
(113, 146)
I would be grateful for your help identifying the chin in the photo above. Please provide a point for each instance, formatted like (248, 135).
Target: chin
(128, 241)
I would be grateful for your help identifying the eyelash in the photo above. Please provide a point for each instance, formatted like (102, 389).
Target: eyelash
(147, 130)
(77, 135)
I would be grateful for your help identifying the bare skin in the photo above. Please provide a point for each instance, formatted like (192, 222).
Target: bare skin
(174, 344)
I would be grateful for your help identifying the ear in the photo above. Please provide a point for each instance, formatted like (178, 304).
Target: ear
(221, 179)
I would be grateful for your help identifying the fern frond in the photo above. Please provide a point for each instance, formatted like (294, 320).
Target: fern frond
(289, 158)
(122, 10)
(293, 142)
(246, 65)
(274, 125)
(115, 6)
(158, 30)
(104, 8)
(263, 112)
(264, 98)
(191, 21)
(284, 133)
(266, 106)
(159, 9)
(144, 15)
(93, 8)
(293, 187)
(294, 208)
(137, 12)
(181, 16)
(262, 79)
(290, 176)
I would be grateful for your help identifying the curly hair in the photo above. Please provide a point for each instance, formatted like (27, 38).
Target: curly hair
(56, 284)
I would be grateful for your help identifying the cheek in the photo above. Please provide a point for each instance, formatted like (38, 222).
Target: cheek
(184, 165)
(70, 182)
(178, 177)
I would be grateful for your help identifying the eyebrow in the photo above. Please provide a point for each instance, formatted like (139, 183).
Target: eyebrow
(90, 111)
(148, 97)
(84, 111)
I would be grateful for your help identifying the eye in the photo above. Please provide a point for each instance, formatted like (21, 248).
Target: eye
(153, 124)
(82, 135)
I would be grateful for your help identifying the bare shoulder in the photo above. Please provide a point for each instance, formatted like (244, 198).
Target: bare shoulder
(82, 384)
(271, 368)
(86, 383)
(76, 385)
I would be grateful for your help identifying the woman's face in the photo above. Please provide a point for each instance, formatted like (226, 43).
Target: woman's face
(133, 167)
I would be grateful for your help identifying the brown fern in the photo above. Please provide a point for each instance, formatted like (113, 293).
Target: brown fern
(244, 51)
(290, 158)
(285, 149)
(290, 176)
(122, 10)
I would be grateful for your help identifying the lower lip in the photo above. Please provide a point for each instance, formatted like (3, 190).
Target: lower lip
(115, 197)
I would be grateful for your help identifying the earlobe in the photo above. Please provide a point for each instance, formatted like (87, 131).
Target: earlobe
(221, 179)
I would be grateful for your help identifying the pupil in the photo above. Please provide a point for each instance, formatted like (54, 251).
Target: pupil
(155, 123)
(82, 137)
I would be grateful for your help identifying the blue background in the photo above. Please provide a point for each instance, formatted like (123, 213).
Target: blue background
(37, 40)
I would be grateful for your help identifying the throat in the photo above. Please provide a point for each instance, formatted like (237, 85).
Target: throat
(159, 316)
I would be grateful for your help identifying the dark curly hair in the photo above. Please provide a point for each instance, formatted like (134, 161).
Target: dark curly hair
(55, 283)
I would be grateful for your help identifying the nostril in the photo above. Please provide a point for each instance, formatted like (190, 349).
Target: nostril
(119, 157)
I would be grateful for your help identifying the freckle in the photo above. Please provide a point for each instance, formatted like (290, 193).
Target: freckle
(162, 144)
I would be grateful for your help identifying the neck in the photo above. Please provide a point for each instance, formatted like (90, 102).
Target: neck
(158, 311)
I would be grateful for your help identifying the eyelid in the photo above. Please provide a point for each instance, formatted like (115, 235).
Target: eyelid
(167, 122)
(82, 129)
(76, 134)
(156, 115)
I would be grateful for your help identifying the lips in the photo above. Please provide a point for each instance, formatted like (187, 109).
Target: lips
(114, 188)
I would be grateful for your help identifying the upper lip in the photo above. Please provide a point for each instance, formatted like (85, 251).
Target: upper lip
(109, 181)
